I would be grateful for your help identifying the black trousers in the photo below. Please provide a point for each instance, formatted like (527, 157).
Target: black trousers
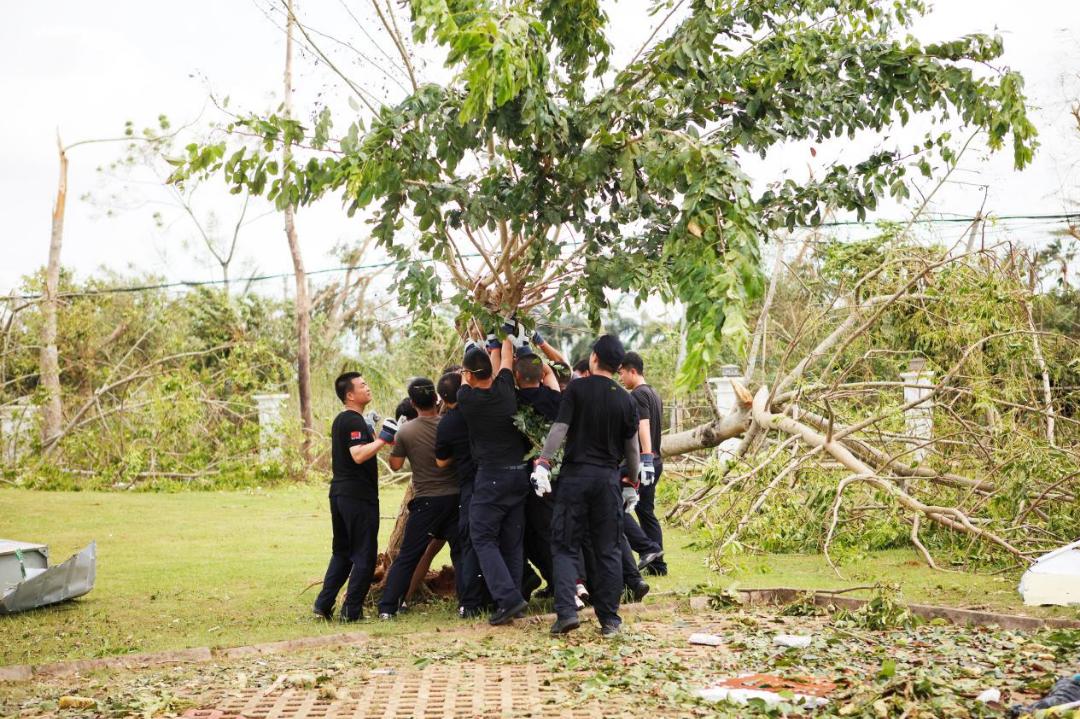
(471, 591)
(588, 500)
(356, 536)
(428, 517)
(497, 525)
(538, 535)
(646, 515)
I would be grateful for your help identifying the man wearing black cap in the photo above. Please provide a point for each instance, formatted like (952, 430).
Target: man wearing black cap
(497, 512)
(354, 500)
(433, 510)
(452, 450)
(599, 423)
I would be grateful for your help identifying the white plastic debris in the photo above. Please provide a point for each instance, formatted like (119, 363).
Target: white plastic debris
(1054, 578)
(990, 696)
(742, 696)
(795, 641)
(710, 640)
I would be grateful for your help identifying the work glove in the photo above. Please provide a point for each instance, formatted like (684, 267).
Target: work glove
(471, 344)
(537, 338)
(372, 418)
(509, 327)
(646, 471)
(541, 477)
(629, 498)
(389, 430)
(493, 341)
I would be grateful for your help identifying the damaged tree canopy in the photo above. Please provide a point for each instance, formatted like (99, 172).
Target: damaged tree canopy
(827, 452)
(541, 175)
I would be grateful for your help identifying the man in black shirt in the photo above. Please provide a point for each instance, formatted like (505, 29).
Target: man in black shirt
(537, 388)
(354, 500)
(599, 423)
(650, 413)
(452, 449)
(497, 512)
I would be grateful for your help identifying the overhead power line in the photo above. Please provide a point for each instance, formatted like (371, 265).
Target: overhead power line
(1067, 217)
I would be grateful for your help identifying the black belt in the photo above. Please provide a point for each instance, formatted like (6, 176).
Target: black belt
(509, 468)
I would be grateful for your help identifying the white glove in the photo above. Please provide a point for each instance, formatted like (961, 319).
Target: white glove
(541, 478)
(389, 430)
(629, 499)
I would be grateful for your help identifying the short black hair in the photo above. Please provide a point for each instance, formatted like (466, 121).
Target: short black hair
(582, 365)
(422, 393)
(478, 363)
(448, 386)
(451, 368)
(529, 368)
(633, 361)
(405, 409)
(344, 383)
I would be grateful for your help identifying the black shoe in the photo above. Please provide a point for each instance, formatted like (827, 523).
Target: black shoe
(611, 630)
(325, 615)
(470, 612)
(507, 614)
(346, 618)
(638, 591)
(649, 559)
(566, 625)
(385, 616)
(655, 570)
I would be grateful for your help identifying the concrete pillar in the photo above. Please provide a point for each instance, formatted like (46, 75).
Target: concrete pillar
(18, 427)
(726, 402)
(270, 407)
(918, 420)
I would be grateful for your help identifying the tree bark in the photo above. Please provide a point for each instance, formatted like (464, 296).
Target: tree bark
(52, 414)
(303, 301)
(709, 435)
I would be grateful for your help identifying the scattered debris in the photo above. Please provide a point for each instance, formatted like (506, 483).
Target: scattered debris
(27, 582)
(709, 640)
(1065, 694)
(1054, 578)
(990, 696)
(795, 641)
(300, 680)
(771, 689)
(76, 702)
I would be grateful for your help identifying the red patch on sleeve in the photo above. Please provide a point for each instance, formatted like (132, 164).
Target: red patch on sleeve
(354, 435)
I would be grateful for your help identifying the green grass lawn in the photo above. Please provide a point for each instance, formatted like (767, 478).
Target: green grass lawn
(227, 568)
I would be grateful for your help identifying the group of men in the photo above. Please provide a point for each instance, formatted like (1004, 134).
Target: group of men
(567, 515)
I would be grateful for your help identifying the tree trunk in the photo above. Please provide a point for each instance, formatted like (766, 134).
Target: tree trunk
(303, 302)
(52, 407)
(713, 433)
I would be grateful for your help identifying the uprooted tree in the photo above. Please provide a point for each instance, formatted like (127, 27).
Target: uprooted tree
(541, 178)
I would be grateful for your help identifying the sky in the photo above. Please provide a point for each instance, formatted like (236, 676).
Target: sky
(83, 71)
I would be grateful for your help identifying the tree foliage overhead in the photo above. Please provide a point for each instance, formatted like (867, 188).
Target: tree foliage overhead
(541, 177)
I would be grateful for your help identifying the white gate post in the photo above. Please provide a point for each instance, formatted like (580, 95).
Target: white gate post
(270, 407)
(918, 420)
(726, 401)
(18, 422)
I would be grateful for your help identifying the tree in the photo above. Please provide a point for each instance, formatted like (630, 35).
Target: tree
(540, 176)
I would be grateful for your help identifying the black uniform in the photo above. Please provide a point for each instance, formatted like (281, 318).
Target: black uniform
(545, 401)
(354, 515)
(497, 510)
(452, 442)
(649, 537)
(601, 419)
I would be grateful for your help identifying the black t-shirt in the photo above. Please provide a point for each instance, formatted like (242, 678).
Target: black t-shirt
(489, 414)
(601, 416)
(360, 481)
(452, 441)
(650, 407)
(543, 399)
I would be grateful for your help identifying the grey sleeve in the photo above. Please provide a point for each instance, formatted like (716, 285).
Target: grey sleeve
(632, 457)
(556, 436)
